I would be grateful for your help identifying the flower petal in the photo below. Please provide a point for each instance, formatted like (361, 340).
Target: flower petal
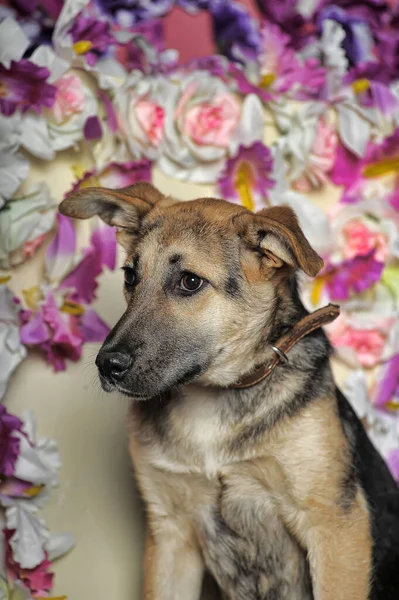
(60, 256)
(13, 41)
(29, 537)
(11, 350)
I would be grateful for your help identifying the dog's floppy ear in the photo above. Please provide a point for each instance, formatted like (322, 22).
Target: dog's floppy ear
(123, 208)
(276, 233)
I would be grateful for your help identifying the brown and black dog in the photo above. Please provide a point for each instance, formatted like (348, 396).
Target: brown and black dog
(273, 488)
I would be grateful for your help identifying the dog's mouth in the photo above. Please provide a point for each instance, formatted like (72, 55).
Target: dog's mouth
(109, 385)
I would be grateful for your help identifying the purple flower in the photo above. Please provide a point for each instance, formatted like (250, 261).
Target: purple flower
(234, 29)
(353, 276)
(129, 12)
(93, 32)
(24, 86)
(82, 281)
(358, 40)
(116, 175)
(61, 251)
(351, 171)
(246, 176)
(59, 327)
(9, 443)
(284, 13)
(388, 384)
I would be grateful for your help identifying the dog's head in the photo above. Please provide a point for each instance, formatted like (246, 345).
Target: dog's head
(203, 284)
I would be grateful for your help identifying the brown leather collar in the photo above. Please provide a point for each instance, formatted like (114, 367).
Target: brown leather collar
(317, 319)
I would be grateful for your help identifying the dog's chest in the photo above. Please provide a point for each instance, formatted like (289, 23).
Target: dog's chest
(249, 552)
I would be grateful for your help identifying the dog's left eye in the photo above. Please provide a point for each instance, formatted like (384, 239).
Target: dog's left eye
(191, 283)
(130, 276)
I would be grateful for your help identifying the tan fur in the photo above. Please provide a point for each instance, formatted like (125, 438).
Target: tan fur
(283, 486)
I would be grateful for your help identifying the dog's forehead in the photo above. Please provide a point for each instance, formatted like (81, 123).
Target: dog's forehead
(201, 218)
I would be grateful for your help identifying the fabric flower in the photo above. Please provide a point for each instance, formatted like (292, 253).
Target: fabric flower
(115, 175)
(9, 443)
(319, 160)
(14, 169)
(91, 37)
(57, 320)
(127, 15)
(74, 103)
(277, 69)
(234, 29)
(380, 161)
(246, 177)
(38, 580)
(140, 105)
(24, 86)
(360, 340)
(23, 224)
(11, 350)
(352, 276)
(204, 125)
(387, 388)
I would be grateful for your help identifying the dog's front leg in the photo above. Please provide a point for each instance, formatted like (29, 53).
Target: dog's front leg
(173, 568)
(323, 505)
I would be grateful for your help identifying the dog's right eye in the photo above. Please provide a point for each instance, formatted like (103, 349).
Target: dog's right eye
(130, 276)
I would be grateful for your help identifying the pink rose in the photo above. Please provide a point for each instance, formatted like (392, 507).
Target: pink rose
(367, 345)
(208, 123)
(321, 159)
(70, 98)
(151, 117)
(360, 241)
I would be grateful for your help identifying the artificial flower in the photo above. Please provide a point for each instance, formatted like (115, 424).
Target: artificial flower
(91, 37)
(246, 176)
(361, 340)
(11, 350)
(140, 106)
(14, 169)
(382, 426)
(24, 86)
(9, 443)
(387, 388)
(204, 125)
(24, 221)
(126, 14)
(74, 104)
(358, 41)
(276, 69)
(235, 31)
(380, 162)
(115, 175)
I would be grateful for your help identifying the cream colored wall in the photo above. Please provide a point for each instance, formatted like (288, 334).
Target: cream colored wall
(97, 498)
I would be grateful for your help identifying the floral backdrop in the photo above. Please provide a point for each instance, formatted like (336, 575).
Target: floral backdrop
(99, 77)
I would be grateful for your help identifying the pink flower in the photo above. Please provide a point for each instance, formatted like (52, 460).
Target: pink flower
(208, 123)
(38, 581)
(151, 118)
(321, 159)
(360, 241)
(70, 98)
(367, 345)
(9, 443)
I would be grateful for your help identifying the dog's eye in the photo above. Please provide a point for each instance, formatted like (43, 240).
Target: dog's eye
(130, 276)
(191, 283)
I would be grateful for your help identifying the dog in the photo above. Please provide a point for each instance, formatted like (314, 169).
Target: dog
(252, 465)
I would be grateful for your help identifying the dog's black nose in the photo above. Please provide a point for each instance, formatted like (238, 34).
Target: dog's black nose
(113, 365)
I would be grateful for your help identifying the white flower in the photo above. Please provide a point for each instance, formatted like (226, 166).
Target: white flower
(204, 125)
(11, 350)
(25, 220)
(14, 169)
